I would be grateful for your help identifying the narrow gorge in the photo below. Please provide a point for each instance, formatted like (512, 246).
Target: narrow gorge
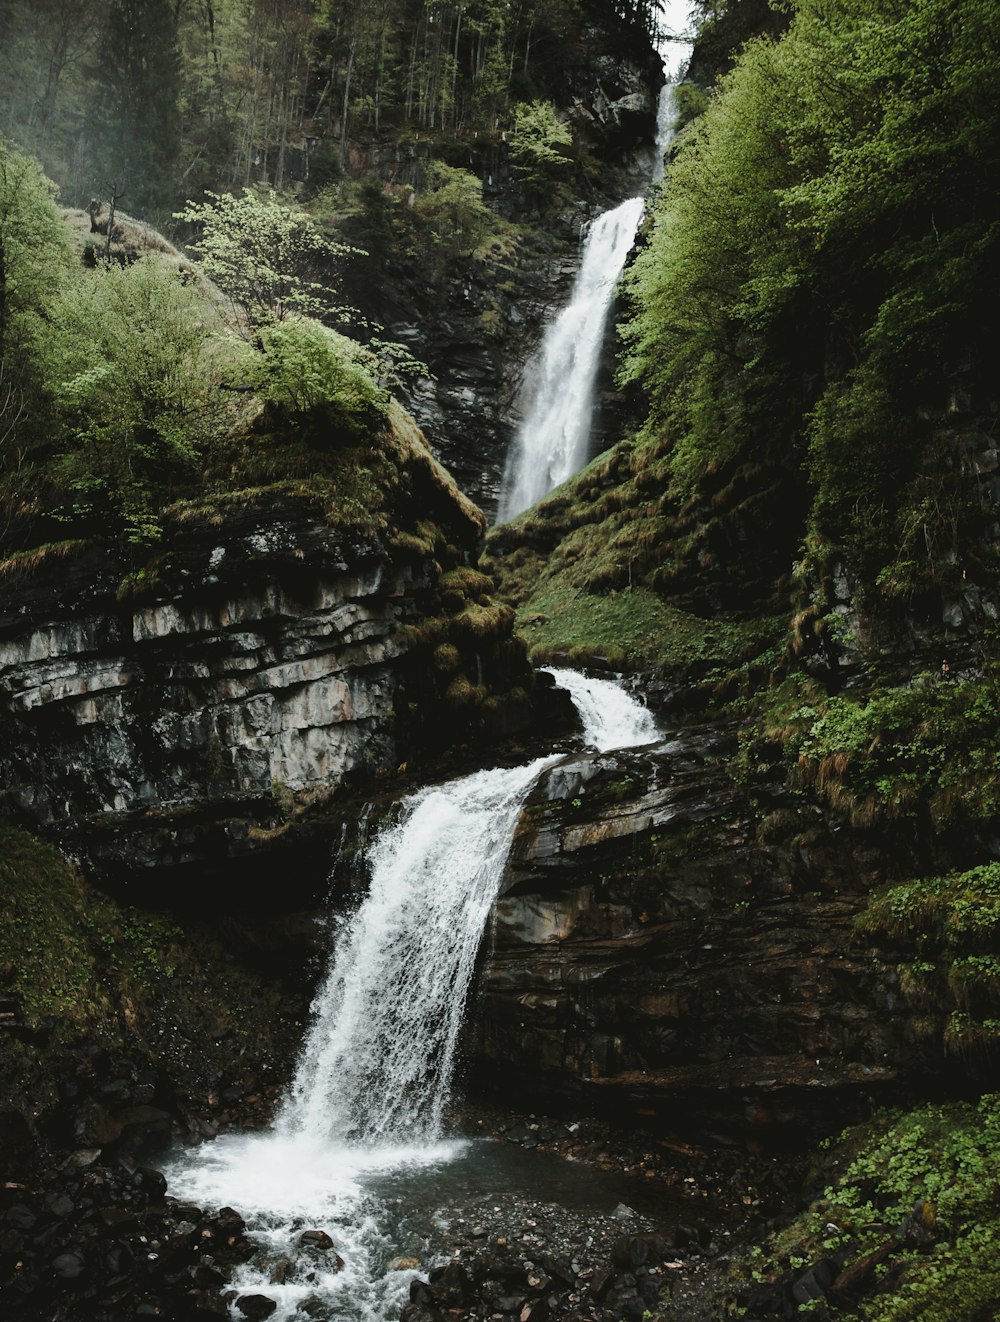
(499, 525)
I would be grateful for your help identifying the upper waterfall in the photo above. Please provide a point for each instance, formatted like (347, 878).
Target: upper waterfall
(557, 397)
(551, 443)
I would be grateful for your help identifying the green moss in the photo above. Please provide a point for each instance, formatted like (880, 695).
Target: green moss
(21, 561)
(447, 658)
(634, 629)
(46, 957)
(952, 925)
(607, 568)
(462, 693)
(96, 971)
(468, 583)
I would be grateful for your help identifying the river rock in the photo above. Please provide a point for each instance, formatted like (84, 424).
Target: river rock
(256, 1306)
(315, 1239)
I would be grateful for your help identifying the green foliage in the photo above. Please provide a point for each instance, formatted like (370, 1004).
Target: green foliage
(131, 366)
(34, 250)
(539, 145)
(269, 258)
(427, 231)
(953, 923)
(958, 911)
(34, 259)
(930, 746)
(690, 101)
(218, 95)
(927, 1178)
(824, 258)
(452, 212)
(318, 381)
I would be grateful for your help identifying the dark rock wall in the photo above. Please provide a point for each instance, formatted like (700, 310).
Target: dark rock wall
(274, 664)
(667, 949)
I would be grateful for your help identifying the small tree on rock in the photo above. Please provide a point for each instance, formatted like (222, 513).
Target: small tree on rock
(270, 259)
(540, 145)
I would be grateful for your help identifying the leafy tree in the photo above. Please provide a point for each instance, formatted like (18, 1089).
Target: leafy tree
(34, 251)
(270, 259)
(134, 370)
(34, 259)
(317, 381)
(539, 144)
(824, 266)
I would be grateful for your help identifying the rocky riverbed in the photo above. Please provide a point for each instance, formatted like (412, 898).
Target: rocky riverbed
(634, 1224)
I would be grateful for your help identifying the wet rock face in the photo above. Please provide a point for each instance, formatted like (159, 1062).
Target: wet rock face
(269, 667)
(241, 683)
(667, 949)
(476, 349)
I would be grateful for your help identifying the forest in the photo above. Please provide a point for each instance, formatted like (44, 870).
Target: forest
(162, 101)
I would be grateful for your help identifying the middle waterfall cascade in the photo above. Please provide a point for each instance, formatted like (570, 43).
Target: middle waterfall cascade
(377, 1061)
(434, 877)
(558, 395)
(611, 719)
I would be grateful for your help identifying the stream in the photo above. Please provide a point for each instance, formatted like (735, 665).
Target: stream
(358, 1150)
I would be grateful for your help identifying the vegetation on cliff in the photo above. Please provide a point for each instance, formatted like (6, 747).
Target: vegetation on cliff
(811, 330)
(907, 1223)
(126, 387)
(817, 286)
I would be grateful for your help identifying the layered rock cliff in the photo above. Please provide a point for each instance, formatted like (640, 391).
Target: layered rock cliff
(672, 947)
(272, 651)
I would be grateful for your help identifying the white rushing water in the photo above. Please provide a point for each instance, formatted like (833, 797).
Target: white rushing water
(557, 399)
(610, 717)
(387, 1019)
(376, 1065)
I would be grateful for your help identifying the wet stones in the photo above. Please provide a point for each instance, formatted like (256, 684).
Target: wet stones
(102, 1240)
(315, 1239)
(255, 1307)
(550, 1265)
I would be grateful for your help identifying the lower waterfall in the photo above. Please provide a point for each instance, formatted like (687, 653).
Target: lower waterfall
(376, 1066)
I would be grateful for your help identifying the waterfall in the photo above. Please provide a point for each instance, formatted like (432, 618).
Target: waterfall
(376, 1065)
(557, 398)
(610, 718)
(551, 443)
(434, 877)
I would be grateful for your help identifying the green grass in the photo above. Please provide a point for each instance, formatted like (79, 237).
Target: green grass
(631, 628)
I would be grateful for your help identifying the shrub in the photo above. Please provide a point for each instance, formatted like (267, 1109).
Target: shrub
(317, 381)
